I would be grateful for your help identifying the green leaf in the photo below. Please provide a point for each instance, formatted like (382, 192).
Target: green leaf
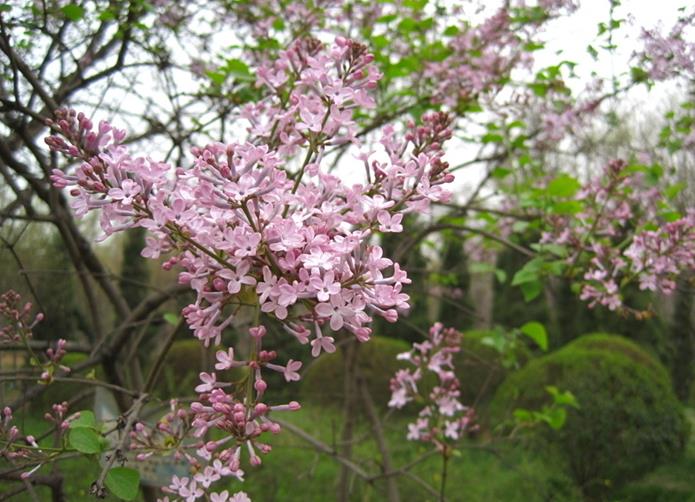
(563, 186)
(407, 25)
(380, 41)
(531, 290)
(278, 24)
(670, 216)
(566, 207)
(107, 15)
(556, 249)
(533, 46)
(85, 440)
(528, 273)
(387, 18)
(555, 417)
(638, 74)
(5, 7)
(592, 52)
(492, 138)
(86, 419)
(538, 88)
(536, 332)
(123, 482)
(171, 318)
(238, 69)
(73, 11)
(496, 342)
(523, 415)
(675, 189)
(565, 398)
(416, 5)
(217, 77)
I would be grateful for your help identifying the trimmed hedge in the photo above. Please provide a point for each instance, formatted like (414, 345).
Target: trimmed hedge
(629, 419)
(322, 382)
(616, 343)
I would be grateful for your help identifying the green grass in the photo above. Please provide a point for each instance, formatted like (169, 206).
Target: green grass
(295, 471)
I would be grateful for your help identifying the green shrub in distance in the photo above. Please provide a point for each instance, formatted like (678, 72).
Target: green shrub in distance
(616, 343)
(482, 368)
(181, 368)
(629, 419)
(323, 381)
(182, 365)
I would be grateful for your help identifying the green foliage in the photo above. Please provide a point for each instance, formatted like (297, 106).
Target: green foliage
(628, 422)
(86, 419)
(84, 440)
(181, 367)
(536, 332)
(123, 482)
(84, 435)
(73, 12)
(554, 414)
(481, 367)
(377, 364)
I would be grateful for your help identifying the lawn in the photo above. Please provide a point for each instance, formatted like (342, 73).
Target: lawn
(484, 471)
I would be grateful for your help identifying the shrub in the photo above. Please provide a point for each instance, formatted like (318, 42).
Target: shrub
(323, 380)
(181, 367)
(630, 349)
(629, 420)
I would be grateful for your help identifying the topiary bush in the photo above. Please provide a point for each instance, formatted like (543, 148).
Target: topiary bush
(629, 419)
(322, 383)
(630, 349)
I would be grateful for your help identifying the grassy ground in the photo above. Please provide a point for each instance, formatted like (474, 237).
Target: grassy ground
(294, 471)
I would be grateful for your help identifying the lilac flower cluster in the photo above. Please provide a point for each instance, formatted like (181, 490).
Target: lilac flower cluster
(620, 234)
(480, 57)
(252, 228)
(671, 55)
(17, 328)
(16, 447)
(444, 419)
(240, 221)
